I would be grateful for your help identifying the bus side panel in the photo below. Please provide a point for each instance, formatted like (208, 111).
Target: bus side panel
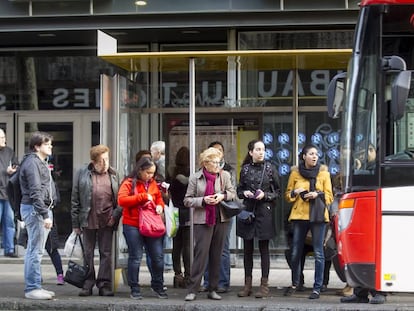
(397, 273)
(357, 241)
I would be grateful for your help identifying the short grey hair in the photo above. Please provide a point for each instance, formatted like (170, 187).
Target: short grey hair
(159, 145)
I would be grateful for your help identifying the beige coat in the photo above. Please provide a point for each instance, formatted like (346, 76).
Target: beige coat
(195, 194)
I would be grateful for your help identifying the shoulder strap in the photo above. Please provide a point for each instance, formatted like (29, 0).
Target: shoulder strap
(263, 172)
(134, 184)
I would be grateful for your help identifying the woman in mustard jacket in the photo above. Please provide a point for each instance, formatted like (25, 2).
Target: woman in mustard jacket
(308, 182)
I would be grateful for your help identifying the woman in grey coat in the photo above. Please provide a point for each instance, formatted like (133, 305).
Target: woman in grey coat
(206, 189)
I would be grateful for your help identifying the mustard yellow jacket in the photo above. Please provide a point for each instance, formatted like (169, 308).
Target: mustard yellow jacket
(300, 208)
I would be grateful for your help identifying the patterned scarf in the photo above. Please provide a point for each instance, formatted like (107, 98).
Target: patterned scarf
(210, 209)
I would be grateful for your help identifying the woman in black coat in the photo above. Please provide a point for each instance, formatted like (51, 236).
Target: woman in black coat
(259, 188)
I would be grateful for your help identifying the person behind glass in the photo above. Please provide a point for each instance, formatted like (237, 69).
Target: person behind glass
(95, 214)
(206, 189)
(306, 182)
(158, 156)
(369, 164)
(8, 166)
(259, 188)
(38, 197)
(224, 280)
(181, 241)
(137, 189)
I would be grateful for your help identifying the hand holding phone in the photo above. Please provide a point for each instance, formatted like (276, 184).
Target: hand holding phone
(303, 193)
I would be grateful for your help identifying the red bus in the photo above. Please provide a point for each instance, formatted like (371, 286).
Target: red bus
(375, 100)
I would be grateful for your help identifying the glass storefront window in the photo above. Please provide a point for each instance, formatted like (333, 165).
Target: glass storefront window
(318, 129)
(51, 82)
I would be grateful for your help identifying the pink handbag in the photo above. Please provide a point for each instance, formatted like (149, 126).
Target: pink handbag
(150, 224)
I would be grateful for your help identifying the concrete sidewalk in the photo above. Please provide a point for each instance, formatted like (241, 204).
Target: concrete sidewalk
(12, 298)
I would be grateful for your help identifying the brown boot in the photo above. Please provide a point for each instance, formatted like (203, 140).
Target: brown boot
(247, 289)
(263, 289)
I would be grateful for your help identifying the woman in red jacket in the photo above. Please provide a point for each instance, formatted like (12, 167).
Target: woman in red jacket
(138, 189)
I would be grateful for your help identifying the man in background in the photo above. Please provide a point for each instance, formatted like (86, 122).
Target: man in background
(158, 156)
(8, 165)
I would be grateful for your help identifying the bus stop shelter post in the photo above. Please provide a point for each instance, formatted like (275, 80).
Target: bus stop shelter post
(191, 93)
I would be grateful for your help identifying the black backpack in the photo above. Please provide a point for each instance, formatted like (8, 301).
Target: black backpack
(14, 193)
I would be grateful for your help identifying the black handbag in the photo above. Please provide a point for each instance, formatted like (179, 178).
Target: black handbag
(76, 274)
(317, 211)
(246, 217)
(232, 208)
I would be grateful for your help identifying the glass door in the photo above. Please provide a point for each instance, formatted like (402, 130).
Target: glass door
(73, 135)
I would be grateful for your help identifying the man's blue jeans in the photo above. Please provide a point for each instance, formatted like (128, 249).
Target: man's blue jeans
(36, 241)
(154, 247)
(300, 229)
(7, 222)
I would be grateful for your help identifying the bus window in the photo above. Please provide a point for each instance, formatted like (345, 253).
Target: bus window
(401, 142)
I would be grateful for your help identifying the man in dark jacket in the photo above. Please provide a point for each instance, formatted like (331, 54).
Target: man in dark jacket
(8, 163)
(38, 197)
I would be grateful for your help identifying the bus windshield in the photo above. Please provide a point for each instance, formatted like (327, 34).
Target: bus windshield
(359, 111)
(370, 134)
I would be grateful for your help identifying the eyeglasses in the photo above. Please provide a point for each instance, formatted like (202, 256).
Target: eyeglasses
(215, 162)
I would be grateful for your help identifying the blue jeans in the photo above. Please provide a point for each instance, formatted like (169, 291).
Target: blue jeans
(167, 243)
(36, 241)
(300, 229)
(224, 280)
(136, 243)
(7, 222)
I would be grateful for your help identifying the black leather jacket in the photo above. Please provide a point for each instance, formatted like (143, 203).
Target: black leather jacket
(36, 184)
(82, 196)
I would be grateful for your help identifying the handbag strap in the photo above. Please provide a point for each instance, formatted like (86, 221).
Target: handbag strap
(81, 244)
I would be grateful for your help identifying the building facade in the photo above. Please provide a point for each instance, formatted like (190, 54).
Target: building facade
(51, 80)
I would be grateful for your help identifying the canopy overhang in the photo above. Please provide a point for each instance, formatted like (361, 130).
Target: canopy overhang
(220, 60)
(305, 59)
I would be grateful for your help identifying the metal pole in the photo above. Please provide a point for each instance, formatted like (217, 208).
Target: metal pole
(192, 148)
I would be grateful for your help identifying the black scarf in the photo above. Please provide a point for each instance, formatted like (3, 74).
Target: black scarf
(309, 173)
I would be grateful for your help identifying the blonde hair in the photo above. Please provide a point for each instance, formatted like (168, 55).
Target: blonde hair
(208, 155)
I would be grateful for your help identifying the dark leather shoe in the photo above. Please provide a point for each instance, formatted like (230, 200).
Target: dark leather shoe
(105, 292)
(354, 299)
(85, 292)
(12, 255)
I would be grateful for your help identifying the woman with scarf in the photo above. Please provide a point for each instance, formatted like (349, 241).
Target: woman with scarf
(206, 189)
(307, 183)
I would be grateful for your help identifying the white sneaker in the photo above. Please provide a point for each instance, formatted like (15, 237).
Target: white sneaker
(38, 294)
(49, 292)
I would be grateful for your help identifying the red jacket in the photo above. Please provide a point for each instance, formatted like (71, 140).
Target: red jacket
(130, 202)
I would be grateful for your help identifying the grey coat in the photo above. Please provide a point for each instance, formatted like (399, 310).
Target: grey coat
(195, 194)
(82, 196)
